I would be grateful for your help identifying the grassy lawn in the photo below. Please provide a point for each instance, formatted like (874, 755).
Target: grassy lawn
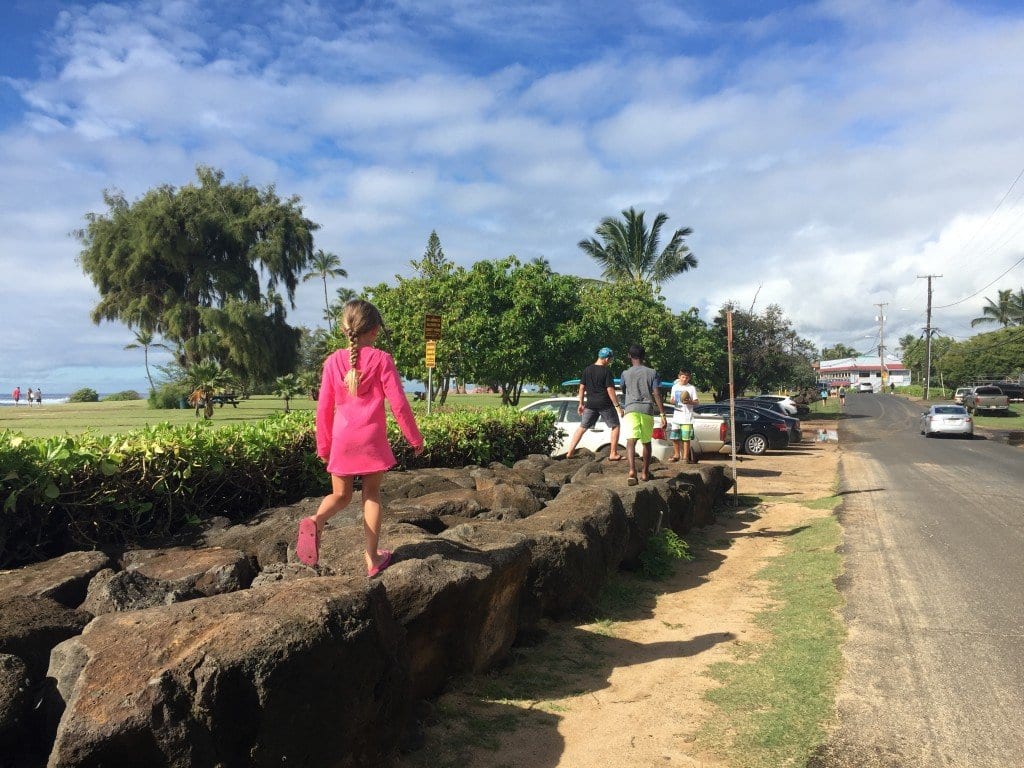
(122, 416)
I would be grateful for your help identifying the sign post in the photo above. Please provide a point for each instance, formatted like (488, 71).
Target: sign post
(432, 335)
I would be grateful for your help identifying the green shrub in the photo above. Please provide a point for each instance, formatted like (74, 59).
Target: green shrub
(84, 395)
(169, 395)
(660, 554)
(115, 491)
(128, 394)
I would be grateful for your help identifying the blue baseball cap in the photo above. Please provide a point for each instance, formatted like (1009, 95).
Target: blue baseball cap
(604, 353)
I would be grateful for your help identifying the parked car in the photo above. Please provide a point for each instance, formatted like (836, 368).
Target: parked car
(986, 398)
(947, 420)
(790, 406)
(796, 435)
(958, 396)
(757, 430)
(710, 433)
(865, 386)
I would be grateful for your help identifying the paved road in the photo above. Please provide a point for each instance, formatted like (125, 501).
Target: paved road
(934, 540)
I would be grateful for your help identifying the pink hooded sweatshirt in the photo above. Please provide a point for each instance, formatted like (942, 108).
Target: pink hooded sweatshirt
(351, 431)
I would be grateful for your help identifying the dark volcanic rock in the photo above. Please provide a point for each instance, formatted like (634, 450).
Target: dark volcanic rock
(15, 685)
(303, 673)
(458, 602)
(64, 579)
(31, 626)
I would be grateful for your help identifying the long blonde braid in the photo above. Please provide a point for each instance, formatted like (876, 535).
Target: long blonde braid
(358, 317)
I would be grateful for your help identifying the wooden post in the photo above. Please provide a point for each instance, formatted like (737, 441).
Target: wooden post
(732, 409)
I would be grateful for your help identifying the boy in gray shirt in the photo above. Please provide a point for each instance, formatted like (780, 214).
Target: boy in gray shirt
(643, 401)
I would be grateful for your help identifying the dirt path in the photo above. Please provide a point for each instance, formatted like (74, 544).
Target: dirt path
(627, 690)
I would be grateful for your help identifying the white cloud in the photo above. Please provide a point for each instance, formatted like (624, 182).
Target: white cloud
(822, 172)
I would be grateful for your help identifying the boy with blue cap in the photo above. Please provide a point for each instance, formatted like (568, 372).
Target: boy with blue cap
(597, 385)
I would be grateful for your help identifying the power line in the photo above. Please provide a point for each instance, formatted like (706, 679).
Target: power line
(994, 210)
(991, 248)
(984, 287)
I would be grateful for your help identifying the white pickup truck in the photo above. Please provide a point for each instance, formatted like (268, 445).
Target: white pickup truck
(986, 399)
(710, 432)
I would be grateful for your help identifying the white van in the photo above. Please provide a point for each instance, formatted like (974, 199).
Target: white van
(865, 386)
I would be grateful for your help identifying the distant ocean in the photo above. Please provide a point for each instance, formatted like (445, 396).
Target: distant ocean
(47, 400)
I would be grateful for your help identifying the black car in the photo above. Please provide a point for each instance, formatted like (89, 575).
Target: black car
(757, 430)
(796, 435)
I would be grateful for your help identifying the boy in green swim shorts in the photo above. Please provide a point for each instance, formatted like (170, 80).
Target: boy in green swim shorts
(642, 402)
(684, 398)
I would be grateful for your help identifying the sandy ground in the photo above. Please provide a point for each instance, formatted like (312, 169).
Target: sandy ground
(627, 691)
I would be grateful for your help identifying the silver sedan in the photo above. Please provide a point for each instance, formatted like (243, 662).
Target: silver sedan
(947, 420)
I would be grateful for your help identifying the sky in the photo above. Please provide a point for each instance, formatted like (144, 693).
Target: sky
(825, 154)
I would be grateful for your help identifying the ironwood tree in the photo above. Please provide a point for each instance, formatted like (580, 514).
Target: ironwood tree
(205, 266)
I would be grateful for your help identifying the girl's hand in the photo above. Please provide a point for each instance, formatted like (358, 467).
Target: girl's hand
(418, 450)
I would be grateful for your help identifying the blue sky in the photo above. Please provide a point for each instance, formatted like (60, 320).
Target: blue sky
(824, 153)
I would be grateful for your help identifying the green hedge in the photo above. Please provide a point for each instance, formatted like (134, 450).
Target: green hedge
(112, 492)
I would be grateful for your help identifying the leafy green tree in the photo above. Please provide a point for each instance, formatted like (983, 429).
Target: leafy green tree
(988, 355)
(914, 353)
(767, 352)
(434, 288)
(325, 265)
(144, 340)
(1006, 311)
(620, 314)
(517, 323)
(700, 348)
(172, 261)
(838, 352)
(627, 250)
(504, 322)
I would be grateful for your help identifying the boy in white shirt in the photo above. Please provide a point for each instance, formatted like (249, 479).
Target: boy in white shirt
(684, 398)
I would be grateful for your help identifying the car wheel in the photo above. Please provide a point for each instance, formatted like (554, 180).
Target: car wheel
(755, 445)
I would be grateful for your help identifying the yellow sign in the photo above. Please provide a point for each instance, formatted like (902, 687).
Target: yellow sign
(431, 354)
(432, 328)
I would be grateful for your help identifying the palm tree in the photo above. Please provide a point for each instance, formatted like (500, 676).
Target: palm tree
(205, 379)
(1007, 311)
(333, 311)
(628, 252)
(325, 264)
(288, 386)
(144, 340)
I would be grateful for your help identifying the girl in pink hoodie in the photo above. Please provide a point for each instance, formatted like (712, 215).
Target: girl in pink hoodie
(351, 431)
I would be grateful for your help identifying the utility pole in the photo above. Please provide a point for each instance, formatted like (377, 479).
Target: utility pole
(881, 342)
(928, 337)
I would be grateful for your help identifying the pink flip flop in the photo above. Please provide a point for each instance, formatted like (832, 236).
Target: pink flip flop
(384, 563)
(307, 548)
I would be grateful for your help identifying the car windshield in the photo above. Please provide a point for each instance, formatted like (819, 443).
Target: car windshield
(549, 406)
(949, 410)
(988, 391)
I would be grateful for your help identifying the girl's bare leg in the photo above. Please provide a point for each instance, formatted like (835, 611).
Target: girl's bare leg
(335, 501)
(677, 449)
(371, 518)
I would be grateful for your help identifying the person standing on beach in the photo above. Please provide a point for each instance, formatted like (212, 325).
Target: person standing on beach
(16, 394)
(643, 401)
(351, 431)
(599, 388)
